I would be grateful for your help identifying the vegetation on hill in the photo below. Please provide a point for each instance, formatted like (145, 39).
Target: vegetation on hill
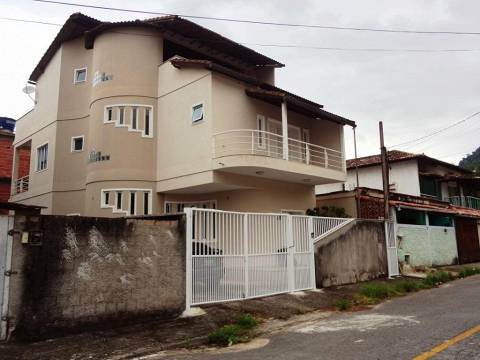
(472, 161)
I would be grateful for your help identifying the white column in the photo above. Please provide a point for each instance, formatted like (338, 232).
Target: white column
(342, 147)
(285, 130)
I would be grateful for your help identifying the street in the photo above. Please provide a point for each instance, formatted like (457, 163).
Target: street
(405, 328)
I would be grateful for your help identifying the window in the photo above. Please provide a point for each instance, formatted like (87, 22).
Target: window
(132, 203)
(439, 219)
(147, 121)
(411, 217)
(119, 200)
(261, 131)
(106, 198)
(197, 113)
(42, 157)
(80, 75)
(109, 113)
(134, 117)
(77, 143)
(121, 114)
(429, 187)
(146, 203)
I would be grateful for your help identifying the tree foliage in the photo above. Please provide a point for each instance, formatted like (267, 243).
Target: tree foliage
(472, 161)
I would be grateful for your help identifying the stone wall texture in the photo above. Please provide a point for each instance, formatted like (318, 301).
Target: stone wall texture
(95, 272)
(354, 253)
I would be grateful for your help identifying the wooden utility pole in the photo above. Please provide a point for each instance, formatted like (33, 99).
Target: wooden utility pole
(386, 186)
(357, 187)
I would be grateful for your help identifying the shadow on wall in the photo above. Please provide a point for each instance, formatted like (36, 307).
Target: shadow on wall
(85, 273)
(354, 253)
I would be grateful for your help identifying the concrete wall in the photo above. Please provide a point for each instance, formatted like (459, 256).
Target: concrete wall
(95, 272)
(427, 245)
(354, 253)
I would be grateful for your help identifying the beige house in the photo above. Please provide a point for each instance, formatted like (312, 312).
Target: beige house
(146, 117)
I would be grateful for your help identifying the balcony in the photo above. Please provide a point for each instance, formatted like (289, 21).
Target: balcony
(20, 185)
(464, 201)
(245, 148)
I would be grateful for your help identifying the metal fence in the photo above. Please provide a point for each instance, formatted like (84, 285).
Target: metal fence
(235, 256)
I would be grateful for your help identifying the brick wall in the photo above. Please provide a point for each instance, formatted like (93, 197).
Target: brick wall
(23, 162)
(94, 273)
(6, 155)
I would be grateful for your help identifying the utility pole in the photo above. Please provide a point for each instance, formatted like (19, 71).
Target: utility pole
(357, 187)
(386, 187)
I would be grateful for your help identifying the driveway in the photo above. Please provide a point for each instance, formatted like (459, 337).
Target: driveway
(404, 328)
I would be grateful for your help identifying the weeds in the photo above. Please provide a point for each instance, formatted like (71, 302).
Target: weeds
(468, 271)
(342, 304)
(377, 291)
(437, 278)
(231, 334)
(406, 286)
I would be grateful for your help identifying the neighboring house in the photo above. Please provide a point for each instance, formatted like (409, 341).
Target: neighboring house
(149, 116)
(7, 126)
(432, 203)
(413, 174)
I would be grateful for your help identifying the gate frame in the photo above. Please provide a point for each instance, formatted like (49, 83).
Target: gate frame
(7, 258)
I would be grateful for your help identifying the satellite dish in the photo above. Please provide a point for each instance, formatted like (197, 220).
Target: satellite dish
(29, 89)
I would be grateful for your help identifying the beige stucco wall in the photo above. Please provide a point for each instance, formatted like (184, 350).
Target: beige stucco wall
(346, 201)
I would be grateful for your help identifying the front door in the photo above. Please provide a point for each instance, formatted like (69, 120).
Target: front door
(467, 240)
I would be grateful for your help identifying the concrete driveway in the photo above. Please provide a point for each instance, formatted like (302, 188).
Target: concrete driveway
(404, 328)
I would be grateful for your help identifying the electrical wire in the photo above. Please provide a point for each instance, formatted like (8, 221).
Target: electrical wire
(258, 22)
(340, 49)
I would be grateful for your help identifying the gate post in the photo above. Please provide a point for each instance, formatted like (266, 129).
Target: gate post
(188, 258)
(311, 248)
(290, 255)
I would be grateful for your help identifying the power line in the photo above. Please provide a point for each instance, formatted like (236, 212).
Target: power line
(258, 22)
(436, 132)
(293, 46)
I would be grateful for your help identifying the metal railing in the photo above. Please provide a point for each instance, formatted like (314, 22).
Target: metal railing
(238, 255)
(20, 185)
(464, 201)
(263, 143)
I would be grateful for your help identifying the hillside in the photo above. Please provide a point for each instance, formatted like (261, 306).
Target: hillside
(472, 161)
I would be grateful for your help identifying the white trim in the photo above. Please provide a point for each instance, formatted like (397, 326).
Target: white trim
(73, 142)
(73, 214)
(113, 206)
(203, 113)
(194, 202)
(37, 170)
(131, 118)
(75, 75)
(116, 121)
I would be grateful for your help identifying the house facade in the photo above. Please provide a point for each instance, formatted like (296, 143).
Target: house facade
(433, 205)
(147, 117)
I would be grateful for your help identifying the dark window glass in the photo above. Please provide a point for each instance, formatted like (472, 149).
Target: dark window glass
(411, 217)
(429, 186)
(439, 219)
(146, 205)
(107, 197)
(147, 121)
(132, 203)
(134, 118)
(119, 200)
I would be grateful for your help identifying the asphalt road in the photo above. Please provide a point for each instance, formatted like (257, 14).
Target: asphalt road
(399, 329)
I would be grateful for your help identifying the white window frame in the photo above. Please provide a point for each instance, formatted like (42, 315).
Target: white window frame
(118, 206)
(212, 203)
(134, 110)
(105, 116)
(72, 148)
(116, 121)
(134, 203)
(36, 158)
(121, 119)
(147, 110)
(203, 113)
(261, 127)
(76, 71)
(113, 204)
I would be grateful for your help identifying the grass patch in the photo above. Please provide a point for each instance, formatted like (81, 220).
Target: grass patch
(231, 334)
(406, 286)
(377, 290)
(468, 271)
(437, 278)
(342, 304)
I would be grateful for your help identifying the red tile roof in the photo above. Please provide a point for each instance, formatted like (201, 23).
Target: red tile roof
(393, 155)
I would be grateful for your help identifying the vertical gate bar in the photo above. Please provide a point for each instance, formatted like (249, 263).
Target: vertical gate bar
(188, 250)
(311, 248)
(245, 254)
(290, 263)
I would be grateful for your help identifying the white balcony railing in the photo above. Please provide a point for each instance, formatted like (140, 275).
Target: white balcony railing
(20, 185)
(465, 201)
(263, 143)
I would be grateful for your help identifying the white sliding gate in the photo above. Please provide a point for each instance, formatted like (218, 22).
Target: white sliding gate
(6, 224)
(235, 256)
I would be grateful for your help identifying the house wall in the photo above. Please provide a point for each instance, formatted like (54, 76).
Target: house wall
(403, 179)
(427, 245)
(352, 254)
(94, 273)
(346, 201)
(6, 161)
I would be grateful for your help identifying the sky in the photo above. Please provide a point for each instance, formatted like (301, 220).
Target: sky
(413, 93)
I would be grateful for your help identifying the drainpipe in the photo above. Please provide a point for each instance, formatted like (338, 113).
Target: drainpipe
(284, 129)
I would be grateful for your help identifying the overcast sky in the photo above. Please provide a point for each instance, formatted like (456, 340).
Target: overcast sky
(413, 93)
